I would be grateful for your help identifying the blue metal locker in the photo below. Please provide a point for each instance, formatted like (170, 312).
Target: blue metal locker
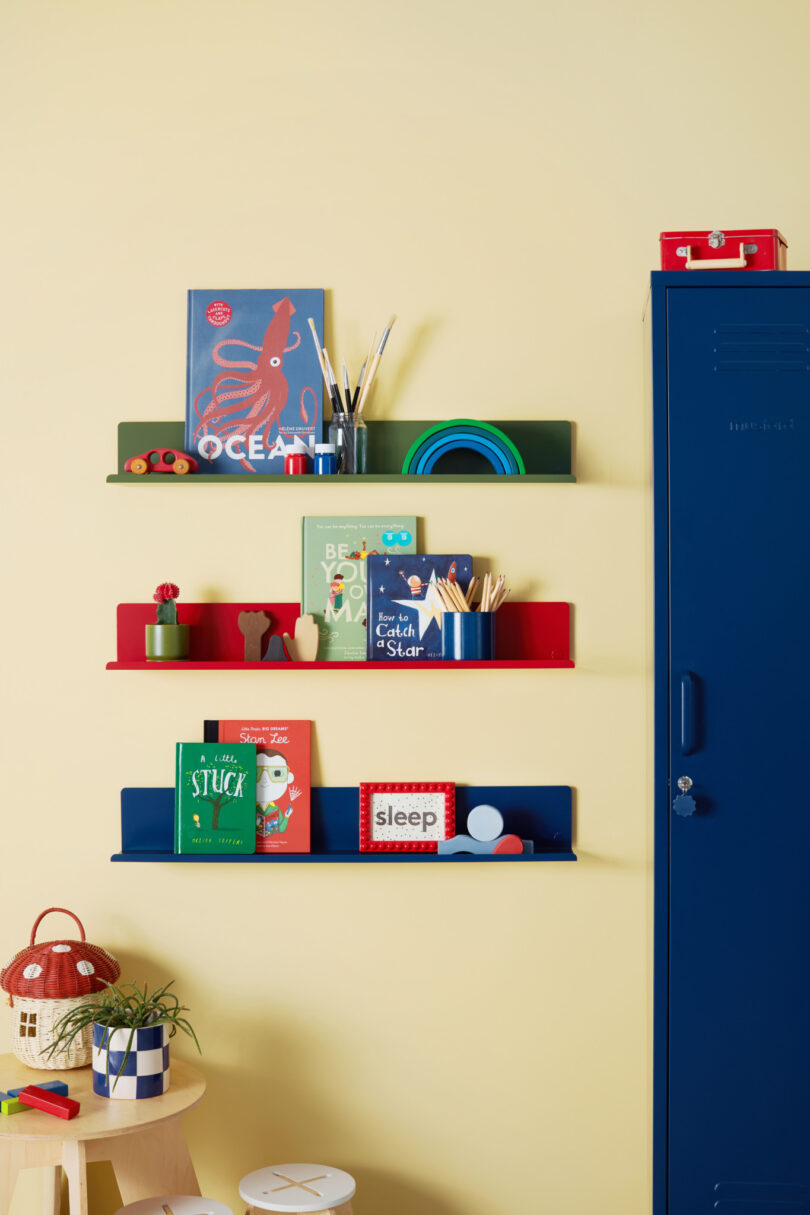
(731, 418)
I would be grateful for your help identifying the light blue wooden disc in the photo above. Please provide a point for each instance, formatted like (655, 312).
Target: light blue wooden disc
(485, 823)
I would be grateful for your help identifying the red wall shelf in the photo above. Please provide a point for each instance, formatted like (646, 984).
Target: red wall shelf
(529, 635)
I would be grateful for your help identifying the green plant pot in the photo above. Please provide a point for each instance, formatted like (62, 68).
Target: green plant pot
(166, 642)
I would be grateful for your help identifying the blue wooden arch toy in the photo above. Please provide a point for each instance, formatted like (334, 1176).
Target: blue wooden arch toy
(467, 435)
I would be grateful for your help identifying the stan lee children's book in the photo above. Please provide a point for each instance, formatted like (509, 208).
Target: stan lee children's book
(253, 377)
(282, 778)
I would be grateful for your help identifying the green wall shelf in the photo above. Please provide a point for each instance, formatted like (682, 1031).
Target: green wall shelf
(545, 447)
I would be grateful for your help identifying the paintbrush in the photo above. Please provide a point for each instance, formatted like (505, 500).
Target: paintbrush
(363, 369)
(334, 393)
(372, 371)
(321, 363)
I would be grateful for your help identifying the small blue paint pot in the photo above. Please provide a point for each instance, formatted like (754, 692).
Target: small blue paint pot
(468, 636)
(325, 459)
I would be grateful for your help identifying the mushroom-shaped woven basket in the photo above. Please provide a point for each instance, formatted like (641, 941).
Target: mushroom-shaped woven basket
(45, 981)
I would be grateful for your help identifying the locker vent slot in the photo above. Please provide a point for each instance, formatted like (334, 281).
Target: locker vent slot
(764, 348)
(763, 330)
(761, 365)
(776, 347)
(759, 1206)
(761, 1198)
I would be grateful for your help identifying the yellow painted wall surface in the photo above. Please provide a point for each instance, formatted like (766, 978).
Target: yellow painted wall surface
(466, 1040)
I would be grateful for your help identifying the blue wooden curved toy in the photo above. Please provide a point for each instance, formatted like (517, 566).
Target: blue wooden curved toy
(430, 454)
(463, 434)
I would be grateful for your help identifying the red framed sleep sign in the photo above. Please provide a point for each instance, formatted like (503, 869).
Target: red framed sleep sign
(406, 817)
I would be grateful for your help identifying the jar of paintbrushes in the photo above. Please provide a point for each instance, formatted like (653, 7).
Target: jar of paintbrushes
(347, 429)
(468, 629)
(349, 434)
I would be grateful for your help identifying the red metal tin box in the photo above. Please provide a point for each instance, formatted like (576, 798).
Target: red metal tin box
(738, 249)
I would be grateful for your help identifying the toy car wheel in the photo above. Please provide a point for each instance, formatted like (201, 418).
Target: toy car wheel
(181, 467)
(139, 467)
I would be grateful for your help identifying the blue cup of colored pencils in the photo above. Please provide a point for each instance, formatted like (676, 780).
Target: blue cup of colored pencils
(468, 630)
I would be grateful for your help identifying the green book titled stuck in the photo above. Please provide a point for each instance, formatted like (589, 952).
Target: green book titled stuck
(335, 551)
(215, 798)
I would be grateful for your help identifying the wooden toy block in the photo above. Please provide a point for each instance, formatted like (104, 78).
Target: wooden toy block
(507, 844)
(304, 646)
(12, 1105)
(464, 843)
(485, 823)
(253, 626)
(49, 1103)
(275, 651)
(52, 1086)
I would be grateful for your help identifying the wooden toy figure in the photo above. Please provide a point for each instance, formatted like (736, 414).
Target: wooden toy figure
(303, 647)
(253, 626)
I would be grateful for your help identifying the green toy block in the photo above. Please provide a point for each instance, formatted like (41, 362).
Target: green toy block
(12, 1105)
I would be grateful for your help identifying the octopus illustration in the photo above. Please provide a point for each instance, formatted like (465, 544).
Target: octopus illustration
(259, 387)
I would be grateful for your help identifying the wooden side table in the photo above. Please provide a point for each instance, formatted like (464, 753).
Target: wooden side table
(143, 1140)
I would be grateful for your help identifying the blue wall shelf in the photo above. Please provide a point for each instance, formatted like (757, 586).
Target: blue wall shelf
(541, 813)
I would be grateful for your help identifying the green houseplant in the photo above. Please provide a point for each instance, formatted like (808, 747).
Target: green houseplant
(166, 641)
(131, 1032)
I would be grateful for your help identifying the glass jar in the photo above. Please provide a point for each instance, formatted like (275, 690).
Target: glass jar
(349, 434)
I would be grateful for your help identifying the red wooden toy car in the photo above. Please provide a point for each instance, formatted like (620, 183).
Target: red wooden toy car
(162, 459)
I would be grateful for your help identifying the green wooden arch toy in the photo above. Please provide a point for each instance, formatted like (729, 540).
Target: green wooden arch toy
(463, 433)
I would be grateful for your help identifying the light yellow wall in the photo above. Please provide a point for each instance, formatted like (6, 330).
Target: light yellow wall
(463, 1039)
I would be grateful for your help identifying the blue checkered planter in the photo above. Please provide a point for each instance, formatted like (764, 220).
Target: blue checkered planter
(146, 1073)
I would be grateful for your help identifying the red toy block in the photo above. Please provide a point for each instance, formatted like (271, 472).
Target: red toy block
(48, 1102)
(507, 844)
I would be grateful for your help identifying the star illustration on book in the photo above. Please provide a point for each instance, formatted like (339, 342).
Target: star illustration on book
(428, 609)
(387, 560)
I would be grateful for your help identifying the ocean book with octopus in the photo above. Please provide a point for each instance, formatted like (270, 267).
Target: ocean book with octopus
(253, 377)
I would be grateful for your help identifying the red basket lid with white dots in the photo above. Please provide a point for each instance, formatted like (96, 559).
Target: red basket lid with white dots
(58, 970)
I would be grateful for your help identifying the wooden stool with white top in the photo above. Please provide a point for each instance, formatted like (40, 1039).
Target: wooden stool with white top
(298, 1189)
(175, 1204)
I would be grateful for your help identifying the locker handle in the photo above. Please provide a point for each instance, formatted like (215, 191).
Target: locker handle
(716, 263)
(687, 713)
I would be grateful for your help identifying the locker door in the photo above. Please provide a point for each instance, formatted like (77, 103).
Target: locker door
(739, 907)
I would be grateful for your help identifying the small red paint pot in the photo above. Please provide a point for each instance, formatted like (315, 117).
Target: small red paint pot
(295, 463)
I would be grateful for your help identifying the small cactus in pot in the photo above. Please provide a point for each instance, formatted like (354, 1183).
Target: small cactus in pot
(166, 641)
